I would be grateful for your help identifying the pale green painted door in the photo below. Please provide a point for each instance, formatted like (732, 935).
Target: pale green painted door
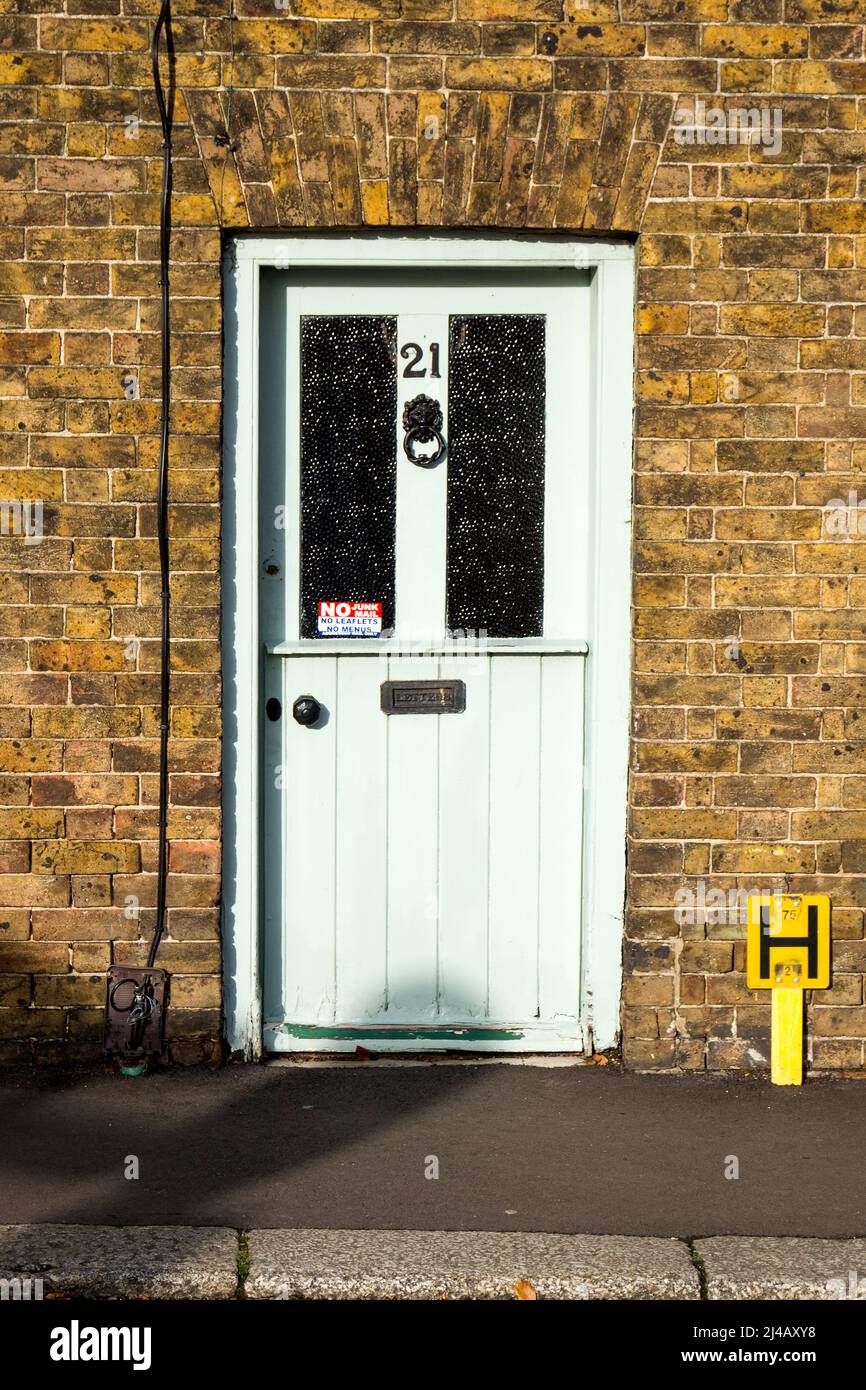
(422, 855)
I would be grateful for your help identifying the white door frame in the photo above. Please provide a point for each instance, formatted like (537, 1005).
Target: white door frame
(608, 671)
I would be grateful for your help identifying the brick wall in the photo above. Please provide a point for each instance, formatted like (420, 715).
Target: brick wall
(749, 764)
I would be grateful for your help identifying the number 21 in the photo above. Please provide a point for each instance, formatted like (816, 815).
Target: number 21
(415, 353)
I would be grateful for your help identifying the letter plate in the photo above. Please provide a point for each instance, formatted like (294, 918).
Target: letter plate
(423, 697)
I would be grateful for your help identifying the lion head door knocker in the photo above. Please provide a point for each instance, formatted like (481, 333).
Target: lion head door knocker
(422, 421)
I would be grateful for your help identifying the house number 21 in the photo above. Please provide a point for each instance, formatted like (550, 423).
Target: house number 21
(415, 353)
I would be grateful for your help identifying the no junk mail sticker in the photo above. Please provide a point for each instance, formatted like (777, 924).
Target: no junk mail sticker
(346, 618)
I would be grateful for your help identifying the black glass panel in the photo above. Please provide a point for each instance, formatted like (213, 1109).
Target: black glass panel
(496, 407)
(348, 463)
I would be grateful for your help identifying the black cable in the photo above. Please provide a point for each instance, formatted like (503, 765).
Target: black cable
(163, 22)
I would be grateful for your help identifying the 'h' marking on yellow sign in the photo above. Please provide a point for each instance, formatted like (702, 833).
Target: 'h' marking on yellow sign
(788, 941)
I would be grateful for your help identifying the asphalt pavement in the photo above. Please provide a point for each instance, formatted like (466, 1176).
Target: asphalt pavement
(558, 1149)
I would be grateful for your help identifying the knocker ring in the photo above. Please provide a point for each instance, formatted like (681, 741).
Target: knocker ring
(422, 423)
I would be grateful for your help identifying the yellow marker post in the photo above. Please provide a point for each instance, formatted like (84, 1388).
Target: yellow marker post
(787, 951)
(786, 1037)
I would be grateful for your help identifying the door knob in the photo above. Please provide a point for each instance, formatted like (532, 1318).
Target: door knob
(306, 710)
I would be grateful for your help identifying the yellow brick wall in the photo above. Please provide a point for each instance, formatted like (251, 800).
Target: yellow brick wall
(749, 764)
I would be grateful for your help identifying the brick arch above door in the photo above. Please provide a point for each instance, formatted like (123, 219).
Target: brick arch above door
(314, 158)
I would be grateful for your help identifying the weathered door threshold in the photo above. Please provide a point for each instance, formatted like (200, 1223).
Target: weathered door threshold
(426, 1059)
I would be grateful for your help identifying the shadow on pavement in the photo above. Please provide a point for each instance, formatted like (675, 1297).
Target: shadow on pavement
(573, 1149)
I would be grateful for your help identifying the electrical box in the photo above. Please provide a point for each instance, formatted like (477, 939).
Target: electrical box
(788, 941)
(135, 1005)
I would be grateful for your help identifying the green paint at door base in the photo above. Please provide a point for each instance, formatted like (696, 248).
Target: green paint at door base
(305, 1030)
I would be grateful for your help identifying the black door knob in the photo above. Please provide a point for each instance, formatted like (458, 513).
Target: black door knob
(306, 709)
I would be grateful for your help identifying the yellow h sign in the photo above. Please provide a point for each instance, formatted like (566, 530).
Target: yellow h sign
(787, 951)
(788, 941)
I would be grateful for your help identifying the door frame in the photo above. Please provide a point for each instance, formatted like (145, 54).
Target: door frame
(608, 674)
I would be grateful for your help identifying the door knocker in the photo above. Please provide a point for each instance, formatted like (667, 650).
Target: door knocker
(422, 421)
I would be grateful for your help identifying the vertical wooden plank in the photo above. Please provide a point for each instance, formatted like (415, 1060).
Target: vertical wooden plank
(361, 839)
(608, 633)
(413, 853)
(278, 433)
(289, 466)
(273, 844)
(464, 760)
(413, 739)
(515, 710)
(309, 774)
(560, 848)
(421, 492)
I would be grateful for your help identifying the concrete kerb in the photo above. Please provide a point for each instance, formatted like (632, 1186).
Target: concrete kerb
(120, 1262)
(466, 1265)
(217, 1263)
(783, 1267)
